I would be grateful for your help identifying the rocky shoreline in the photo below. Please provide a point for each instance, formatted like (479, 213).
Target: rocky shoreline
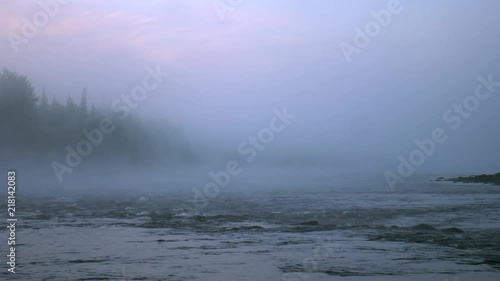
(493, 179)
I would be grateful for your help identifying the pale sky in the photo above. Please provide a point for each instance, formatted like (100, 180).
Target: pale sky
(227, 75)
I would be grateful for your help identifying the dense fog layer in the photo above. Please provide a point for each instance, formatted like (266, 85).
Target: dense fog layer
(162, 93)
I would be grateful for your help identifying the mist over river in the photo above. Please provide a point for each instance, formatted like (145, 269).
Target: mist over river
(224, 140)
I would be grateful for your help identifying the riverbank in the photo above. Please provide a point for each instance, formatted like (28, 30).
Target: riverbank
(493, 179)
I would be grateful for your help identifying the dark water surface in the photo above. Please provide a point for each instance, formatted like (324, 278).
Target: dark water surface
(300, 234)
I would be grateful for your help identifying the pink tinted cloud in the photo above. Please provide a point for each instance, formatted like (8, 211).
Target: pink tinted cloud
(11, 15)
(164, 36)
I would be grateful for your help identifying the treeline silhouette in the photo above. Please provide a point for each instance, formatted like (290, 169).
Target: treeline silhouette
(33, 126)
